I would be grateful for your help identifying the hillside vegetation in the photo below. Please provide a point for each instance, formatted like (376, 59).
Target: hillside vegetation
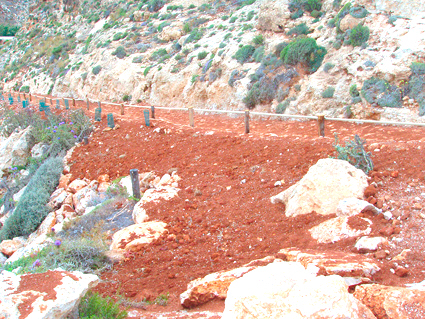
(341, 58)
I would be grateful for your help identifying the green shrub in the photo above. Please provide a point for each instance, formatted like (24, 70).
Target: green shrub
(297, 14)
(146, 71)
(328, 66)
(341, 14)
(328, 93)
(299, 29)
(278, 49)
(202, 55)
(25, 89)
(359, 35)
(281, 107)
(258, 39)
(358, 12)
(118, 36)
(282, 94)
(233, 19)
(304, 50)
(305, 5)
(354, 92)
(31, 208)
(96, 69)
(94, 306)
(379, 91)
(155, 5)
(262, 91)
(158, 54)
(354, 153)
(120, 52)
(416, 85)
(244, 54)
(258, 54)
(8, 30)
(194, 36)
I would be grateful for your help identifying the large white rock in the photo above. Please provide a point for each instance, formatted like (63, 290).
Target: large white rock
(49, 295)
(15, 150)
(320, 190)
(367, 244)
(152, 195)
(288, 290)
(135, 237)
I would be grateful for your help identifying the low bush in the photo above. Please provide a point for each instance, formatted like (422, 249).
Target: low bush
(244, 54)
(158, 54)
(354, 153)
(155, 5)
(94, 306)
(359, 35)
(379, 91)
(416, 85)
(354, 92)
(262, 91)
(258, 54)
(328, 93)
(281, 107)
(96, 70)
(194, 36)
(31, 208)
(299, 29)
(305, 5)
(258, 40)
(120, 52)
(202, 55)
(358, 12)
(304, 50)
(328, 66)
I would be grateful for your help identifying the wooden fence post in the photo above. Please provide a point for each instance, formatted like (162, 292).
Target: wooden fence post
(73, 102)
(246, 121)
(152, 111)
(88, 104)
(191, 119)
(30, 98)
(122, 109)
(134, 175)
(321, 123)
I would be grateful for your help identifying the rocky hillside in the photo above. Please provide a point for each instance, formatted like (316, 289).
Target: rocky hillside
(361, 59)
(14, 12)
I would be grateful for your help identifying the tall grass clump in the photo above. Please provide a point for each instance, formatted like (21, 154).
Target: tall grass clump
(31, 208)
(94, 306)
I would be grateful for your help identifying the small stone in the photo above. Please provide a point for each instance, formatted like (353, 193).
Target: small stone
(380, 254)
(387, 215)
(278, 183)
(422, 215)
(394, 174)
(417, 206)
(379, 204)
(387, 231)
(401, 271)
(370, 191)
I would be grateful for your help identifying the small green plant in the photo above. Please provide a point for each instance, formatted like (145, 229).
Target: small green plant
(328, 93)
(354, 153)
(299, 29)
(158, 54)
(244, 54)
(258, 54)
(354, 92)
(194, 78)
(328, 66)
(146, 71)
(359, 35)
(96, 70)
(155, 5)
(162, 299)
(281, 107)
(94, 306)
(379, 91)
(258, 40)
(304, 50)
(126, 98)
(202, 55)
(120, 52)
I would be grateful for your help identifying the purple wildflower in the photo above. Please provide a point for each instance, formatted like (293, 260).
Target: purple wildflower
(58, 243)
(70, 123)
(59, 138)
(75, 136)
(36, 263)
(72, 131)
(55, 127)
(54, 131)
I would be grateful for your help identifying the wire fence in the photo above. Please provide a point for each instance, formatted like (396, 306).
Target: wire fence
(320, 118)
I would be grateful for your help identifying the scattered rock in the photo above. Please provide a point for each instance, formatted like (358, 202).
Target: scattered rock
(392, 302)
(401, 271)
(354, 206)
(332, 263)
(402, 255)
(325, 184)
(368, 244)
(288, 290)
(9, 246)
(76, 185)
(338, 228)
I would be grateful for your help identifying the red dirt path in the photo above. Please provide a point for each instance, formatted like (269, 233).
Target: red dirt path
(223, 217)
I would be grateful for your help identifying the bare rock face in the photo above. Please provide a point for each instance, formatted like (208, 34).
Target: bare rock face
(392, 302)
(273, 16)
(288, 290)
(332, 263)
(320, 190)
(9, 246)
(135, 237)
(53, 294)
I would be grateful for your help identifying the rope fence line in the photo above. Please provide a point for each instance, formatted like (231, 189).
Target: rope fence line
(320, 118)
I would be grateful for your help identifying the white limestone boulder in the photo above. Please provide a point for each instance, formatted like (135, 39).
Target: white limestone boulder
(322, 188)
(50, 295)
(288, 290)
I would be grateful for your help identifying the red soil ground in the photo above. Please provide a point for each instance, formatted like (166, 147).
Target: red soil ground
(223, 217)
